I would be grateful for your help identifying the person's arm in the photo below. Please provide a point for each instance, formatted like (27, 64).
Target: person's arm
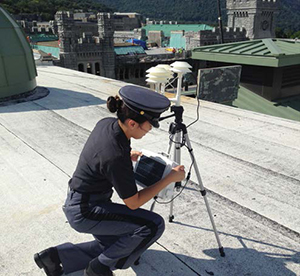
(140, 198)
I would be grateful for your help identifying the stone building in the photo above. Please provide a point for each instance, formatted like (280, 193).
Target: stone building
(193, 40)
(87, 41)
(37, 27)
(257, 17)
(123, 36)
(247, 19)
(83, 51)
(127, 21)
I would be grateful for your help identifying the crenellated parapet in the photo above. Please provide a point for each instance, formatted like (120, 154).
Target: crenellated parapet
(64, 18)
(210, 37)
(105, 23)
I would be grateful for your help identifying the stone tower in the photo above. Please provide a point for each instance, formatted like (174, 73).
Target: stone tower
(256, 16)
(67, 41)
(106, 40)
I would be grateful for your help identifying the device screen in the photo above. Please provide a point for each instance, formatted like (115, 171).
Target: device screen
(149, 171)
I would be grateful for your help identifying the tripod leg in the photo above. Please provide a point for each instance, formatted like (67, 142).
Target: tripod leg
(203, 193)
(152, 205)
(176, 158)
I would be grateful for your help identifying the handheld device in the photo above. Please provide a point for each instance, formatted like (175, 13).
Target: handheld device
(150, 168)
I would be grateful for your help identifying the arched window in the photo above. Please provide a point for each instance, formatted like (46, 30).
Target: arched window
(80, 67)
(89, 68)
(97, 68)
(121, 74)
(142, 73)
(126, 73)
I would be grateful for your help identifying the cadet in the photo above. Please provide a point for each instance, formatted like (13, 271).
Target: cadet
(122, 232)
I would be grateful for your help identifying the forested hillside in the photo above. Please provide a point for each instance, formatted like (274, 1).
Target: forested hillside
(47, 8)
(199, 11)
(187, 11)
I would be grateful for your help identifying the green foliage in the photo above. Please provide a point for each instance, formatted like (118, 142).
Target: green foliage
(289, 16)
(188, 11)
(296, 35)
(192, 11)
(281, 33)
(47, 8)
(200, 11)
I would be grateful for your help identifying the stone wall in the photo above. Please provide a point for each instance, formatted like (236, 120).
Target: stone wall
(127, 21)
(122, 36)
(35, 27)
(210, 37)
(156, 36)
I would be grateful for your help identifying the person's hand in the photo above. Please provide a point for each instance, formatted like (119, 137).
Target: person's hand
(177, 174)
(135, 155)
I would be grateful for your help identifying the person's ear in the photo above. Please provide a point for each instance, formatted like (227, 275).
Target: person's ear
(132, 124)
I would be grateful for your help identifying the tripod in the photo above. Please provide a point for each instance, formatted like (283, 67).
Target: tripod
(178, 132)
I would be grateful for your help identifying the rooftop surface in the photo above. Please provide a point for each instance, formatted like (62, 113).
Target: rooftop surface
(249, 162)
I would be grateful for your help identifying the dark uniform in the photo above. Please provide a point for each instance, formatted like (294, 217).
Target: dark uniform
(121, 234)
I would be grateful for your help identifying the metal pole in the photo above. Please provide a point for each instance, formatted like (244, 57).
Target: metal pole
(220, 22)
(179, 84)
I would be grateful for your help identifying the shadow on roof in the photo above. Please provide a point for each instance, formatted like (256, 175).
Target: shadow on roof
(159, 263)
(57, 99)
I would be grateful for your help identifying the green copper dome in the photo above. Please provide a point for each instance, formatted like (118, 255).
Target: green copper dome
(17, 66)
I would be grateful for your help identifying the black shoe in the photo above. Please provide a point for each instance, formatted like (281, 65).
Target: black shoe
(48, 259)
(95, 268)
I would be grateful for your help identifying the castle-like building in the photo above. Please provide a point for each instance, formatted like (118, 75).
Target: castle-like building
(81, 50)
(257, 17)
(247, 19)
(87, 42)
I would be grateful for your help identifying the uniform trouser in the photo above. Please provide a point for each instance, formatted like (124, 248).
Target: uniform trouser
(121, 234)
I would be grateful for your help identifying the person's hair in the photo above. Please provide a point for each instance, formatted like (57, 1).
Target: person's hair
(115, 104)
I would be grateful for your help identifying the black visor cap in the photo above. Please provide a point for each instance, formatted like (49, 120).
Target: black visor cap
(145, 102)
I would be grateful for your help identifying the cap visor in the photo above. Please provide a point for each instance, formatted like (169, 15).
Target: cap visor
(154, 123)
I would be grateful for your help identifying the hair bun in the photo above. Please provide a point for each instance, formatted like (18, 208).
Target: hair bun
(113, 103)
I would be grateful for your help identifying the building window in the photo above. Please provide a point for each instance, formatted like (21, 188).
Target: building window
(80, 67)
(89, 68)
(97, 68)
(136, 73)
(142, 73)
(126, 73)
(121, 74)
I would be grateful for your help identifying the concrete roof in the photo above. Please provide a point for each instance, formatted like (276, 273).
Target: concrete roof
(259, 52)
(249, 162)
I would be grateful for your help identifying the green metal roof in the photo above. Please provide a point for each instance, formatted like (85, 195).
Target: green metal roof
(42, 37)
(17, 67)
(129, 50)
(288, 108)
(167, 28)
(260, 52)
